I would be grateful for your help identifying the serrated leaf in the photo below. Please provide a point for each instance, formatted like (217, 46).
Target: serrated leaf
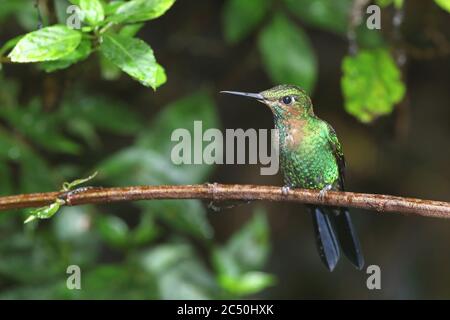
(46, 44)
(133, 56)
(329, 15)
(287, 54)
(93, 11)
(371, 84)
(140, 10)
(240, 18)
(80, 53)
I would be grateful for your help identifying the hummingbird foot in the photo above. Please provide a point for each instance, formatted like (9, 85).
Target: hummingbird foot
(323, 192)
(285, 190)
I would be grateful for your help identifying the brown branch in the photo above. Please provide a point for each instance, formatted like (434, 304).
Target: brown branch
(219, 192)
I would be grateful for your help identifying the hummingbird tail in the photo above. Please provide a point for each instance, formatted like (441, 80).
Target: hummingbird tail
(347, 236)
(326, 240)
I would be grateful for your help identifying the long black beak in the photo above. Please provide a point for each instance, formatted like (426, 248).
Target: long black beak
(256, 96)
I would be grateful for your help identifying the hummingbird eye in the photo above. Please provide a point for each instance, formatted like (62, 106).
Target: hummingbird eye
(287, 100)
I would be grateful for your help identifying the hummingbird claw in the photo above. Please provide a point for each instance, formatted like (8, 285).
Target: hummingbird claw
(285, 190)
(323, 192)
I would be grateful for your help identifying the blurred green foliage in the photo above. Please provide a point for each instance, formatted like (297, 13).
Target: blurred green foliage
(288, 56)
(371, 84)
(167, 250)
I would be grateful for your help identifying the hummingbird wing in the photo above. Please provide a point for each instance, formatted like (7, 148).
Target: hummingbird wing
(326, 240)
(340, 216)
(338, 153)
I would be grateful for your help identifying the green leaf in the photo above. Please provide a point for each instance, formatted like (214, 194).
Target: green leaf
(46, 44)
(178, 271)
(93, 11)
(444, 4)
(11, 43)
(249, 247)
(117, 282)
(101, 112)
(287, 54)
(45, 212)
(371, 84)
(42, 128)
(236, 263)
(113, 230)
(240, 18)
(35, 174)
(111, 7)
(67, 186)
(248, 283)
(187, 216)
(23, 12)
(133, 56)
(140, 10)
(161, 76)
(325, 14)
(130, 30)
(385, 3)
(146, 231)
(80, 53)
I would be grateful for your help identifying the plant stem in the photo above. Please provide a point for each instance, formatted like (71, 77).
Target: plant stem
(221, 192)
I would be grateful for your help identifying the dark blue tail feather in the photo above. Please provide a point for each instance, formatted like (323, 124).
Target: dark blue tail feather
(326, 240)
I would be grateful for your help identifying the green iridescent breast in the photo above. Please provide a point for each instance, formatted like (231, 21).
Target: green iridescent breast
(311, 163)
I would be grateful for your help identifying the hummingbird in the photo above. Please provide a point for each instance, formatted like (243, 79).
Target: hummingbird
(311, 157)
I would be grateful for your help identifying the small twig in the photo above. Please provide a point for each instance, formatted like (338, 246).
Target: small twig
(221, 192)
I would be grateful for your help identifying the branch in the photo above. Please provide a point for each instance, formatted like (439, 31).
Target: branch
(220, 192)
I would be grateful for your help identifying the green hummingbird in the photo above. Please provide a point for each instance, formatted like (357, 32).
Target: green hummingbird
(311, 157)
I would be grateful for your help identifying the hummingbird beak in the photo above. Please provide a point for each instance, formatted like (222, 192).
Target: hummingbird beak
(256, 96)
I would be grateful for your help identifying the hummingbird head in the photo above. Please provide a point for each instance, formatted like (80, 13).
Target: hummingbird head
(283, 100)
